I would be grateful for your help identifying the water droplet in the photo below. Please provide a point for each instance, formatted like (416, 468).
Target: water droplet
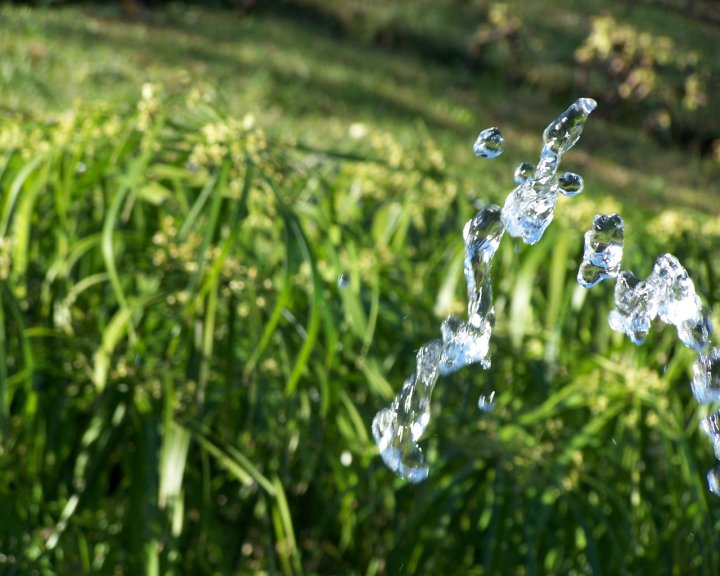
(570, 184)
(486, 402)
(346, 458)
(343, 280)
(603, 250)
(524, 172)
(489, 144)
(314, 394)
(713, 480)
(80, 168)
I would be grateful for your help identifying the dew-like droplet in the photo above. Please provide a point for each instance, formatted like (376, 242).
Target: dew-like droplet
(524, 172)
(570, 184)
(713, 480)
(343, 280)
(486, 402)
(489, 144)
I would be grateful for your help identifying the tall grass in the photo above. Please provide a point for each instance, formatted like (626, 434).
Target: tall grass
(186, 389)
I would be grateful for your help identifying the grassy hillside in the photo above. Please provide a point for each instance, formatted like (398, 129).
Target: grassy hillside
(186, 389)
(310, 74)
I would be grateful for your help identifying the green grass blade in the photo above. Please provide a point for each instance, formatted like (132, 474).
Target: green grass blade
(282, 519)
(235, 462)
(314, 321)
(13, 191)
(118, 326)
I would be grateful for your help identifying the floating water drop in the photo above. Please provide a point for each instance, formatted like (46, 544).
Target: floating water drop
(80, 168)
(570, 184)
(486, 402)
(489, 144)
(713, 480)
(343, 280)
(524, 172)
(603, 250)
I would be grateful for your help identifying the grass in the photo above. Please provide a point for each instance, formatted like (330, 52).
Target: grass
(186, 389)
(252, 65)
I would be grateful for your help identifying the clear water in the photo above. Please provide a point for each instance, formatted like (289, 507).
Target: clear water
(527, 212)
(529, 208)
(667, 294)
(603, 250)
(524, 172)
(343, 280)
(489, 144)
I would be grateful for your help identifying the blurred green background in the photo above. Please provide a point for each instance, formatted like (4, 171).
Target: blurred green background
(184, 388)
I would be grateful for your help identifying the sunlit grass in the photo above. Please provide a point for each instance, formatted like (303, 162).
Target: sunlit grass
(301, 80)
(184, 387)
(187, 388)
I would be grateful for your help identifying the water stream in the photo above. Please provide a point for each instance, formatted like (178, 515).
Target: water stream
(667, 293)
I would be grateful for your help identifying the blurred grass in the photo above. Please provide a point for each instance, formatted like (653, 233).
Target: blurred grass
(186, 389)
(301, 75)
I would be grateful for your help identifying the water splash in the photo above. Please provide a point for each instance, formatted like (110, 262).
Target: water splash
(343, 280)
(398, 428)
(486, 402)
(667, 293)
(482, 237)
(489, 144)
(713, 480)
(528, 210)
(603, 250)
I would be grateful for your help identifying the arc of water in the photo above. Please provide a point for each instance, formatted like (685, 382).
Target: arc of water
(526, 214)
(667, 293)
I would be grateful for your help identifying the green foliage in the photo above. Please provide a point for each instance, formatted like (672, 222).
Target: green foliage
(621, 63)
(184, 387)
(187, 390)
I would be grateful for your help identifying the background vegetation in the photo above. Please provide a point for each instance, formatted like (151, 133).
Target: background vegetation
(184, 387)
